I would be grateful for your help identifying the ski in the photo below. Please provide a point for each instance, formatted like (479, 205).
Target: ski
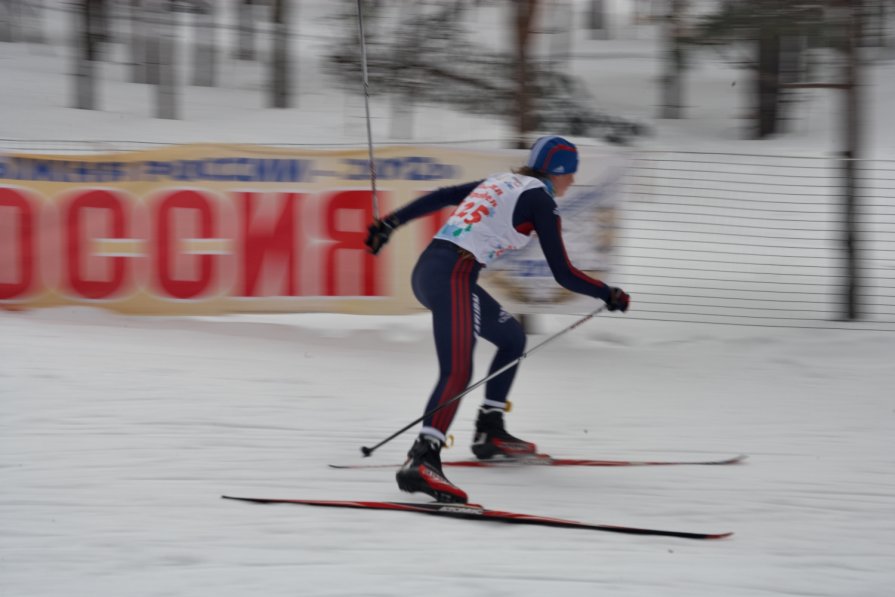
(546, 460)
(477, 512)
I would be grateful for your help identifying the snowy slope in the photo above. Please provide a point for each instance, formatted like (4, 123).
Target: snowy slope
(119, 434)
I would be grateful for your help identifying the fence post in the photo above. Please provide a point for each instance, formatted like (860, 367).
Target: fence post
(852, 136)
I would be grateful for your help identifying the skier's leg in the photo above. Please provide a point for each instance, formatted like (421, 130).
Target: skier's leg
(449, 295)
(442, 281)
(506, 333)
(501, 329)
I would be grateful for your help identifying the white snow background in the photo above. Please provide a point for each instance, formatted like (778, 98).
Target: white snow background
(118, 435)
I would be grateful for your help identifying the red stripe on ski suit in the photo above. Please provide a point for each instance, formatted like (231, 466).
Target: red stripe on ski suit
(461, 343)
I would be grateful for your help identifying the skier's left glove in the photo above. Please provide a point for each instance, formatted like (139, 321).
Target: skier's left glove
(379, 233)
(618, 300)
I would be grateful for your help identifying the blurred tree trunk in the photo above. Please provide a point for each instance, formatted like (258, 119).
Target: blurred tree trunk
(245, 27)
(152, 41)
(873, 15)
(33, 23)
(523, 20)
(10, 17)
(885, 16)
(597, 20)
(87, 53)
(166, 91)
(854, 143)
(22, 20)
(767, 83)
(793, 69)
(280, 84)
(205, 44)
(675, 61)
(402, 97)
(137, 42)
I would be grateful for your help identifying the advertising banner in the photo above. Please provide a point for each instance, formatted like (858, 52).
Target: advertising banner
(203, 229)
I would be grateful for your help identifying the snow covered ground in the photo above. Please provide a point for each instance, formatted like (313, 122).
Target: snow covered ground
(119, 434)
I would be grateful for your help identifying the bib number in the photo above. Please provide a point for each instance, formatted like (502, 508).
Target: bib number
(471, 213)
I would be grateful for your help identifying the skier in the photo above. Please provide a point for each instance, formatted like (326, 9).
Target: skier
(493, 216)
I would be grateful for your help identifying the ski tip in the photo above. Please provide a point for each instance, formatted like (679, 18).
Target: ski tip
(689, 535)
(245, 499)
(361, 466)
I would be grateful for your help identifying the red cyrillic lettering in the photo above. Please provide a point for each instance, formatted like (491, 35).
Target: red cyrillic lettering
(169, 258)
(84, 275)
(18, 257)
(269, 239)
(347, 260)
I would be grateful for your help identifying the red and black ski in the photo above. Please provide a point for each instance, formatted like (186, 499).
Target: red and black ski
(477, 512)
(546, 460)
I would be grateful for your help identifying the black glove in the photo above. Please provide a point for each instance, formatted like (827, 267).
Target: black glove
(379, 233)
(618, 300)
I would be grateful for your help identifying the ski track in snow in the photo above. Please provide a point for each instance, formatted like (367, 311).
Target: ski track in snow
(119, 434)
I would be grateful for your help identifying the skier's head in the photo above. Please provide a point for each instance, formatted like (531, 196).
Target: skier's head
(553, 155)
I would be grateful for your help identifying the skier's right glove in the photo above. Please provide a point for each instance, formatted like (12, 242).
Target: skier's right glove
(618, 300)
(379, 233)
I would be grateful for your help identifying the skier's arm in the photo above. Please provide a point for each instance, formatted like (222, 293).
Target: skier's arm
(431, 202)
(381, 230)
(537, 209)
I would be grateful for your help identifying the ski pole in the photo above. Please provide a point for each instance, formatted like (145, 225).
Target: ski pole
(363, 56)
(366, 451)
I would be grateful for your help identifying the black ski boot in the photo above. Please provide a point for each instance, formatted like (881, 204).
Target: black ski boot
(493, 441)
(422, 472)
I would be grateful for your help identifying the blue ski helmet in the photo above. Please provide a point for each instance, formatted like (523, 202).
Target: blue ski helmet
(553, 155)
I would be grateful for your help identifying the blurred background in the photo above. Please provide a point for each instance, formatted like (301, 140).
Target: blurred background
(757, 132)
(529, 65)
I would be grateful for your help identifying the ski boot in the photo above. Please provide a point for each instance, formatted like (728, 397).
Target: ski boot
(493, 441)
(422, 472)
